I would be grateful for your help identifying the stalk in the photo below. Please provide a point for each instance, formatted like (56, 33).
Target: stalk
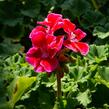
(95, 5)
(59, 93)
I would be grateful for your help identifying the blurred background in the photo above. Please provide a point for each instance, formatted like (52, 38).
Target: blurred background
(91, 77)
(18, 17)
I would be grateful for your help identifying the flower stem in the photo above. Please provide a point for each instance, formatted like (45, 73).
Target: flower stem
(95, 5)
(59, 93)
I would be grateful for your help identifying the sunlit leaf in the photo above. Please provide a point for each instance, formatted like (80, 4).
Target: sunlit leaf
(101, 32)
(104, 72)
(97, 54)
(84, 97)
(17, 88)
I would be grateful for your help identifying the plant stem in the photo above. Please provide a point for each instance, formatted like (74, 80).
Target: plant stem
(95, 5)
(59, 93)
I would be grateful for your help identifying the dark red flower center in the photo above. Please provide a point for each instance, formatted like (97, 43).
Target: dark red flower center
(60, 32)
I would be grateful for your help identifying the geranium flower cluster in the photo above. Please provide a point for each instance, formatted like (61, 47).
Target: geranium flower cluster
(49, 38)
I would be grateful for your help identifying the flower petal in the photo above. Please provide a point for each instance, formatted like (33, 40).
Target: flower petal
(34, 52)
(70, 45)
(68, 26)
(33, 56)
(57, 25)
(39, 69)
(51, 19)
(39, 39)
(50, 39)
(33, 61)
(37, 29)
(45, 22)
(49, 64)
(55, 46)
(79, 34)
(83, 48)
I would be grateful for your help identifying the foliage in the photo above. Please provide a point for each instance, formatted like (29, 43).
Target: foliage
(85, 85)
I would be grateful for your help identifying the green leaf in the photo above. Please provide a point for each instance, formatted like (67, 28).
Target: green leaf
(7, 48)
(30, 12)
(60, 104)
(84, 97)
(92, 18)
(49, 82)
(68, 84)
(101, 32)
(104, 72)
(78, 73)
(76, 7)
(48, 2)
(31, 9)
(17, 88)
(97, 54)
(13, 22)
(101, 80)
(11, 17)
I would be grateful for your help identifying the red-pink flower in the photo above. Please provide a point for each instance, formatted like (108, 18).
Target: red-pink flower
(48, 39)
(43, 53)
(72, 36)
(51, 20)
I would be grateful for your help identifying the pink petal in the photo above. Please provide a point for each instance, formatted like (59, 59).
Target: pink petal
(52, 17)
(37, 29)
(68, 26)
(52, 52)
(55, 46)
(83, 48)
(39, 39)
(33, 61)
(34, 52)
(39, 69)
(33, 56)
(50, 39)
(45, 23)
(79, 34)
(49, 64)
(70, 45)
(57, 25)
